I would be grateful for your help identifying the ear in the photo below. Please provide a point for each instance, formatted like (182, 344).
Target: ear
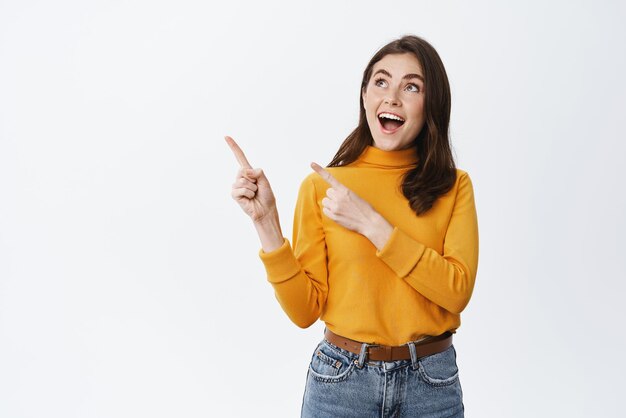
(363, 96)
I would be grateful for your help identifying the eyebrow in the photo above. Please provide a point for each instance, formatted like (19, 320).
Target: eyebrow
(406, 77)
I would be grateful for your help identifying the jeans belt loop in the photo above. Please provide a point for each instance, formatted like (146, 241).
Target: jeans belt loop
(411, 345)
(362, 354)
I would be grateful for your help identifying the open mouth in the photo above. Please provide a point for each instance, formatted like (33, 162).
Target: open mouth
(390, 123)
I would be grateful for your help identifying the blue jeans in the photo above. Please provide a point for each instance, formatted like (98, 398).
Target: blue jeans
(342, 384)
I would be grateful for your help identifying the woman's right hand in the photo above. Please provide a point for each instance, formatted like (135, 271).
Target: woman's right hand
(251, 188)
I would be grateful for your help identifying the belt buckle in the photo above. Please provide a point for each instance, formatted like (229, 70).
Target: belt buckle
(369, 347)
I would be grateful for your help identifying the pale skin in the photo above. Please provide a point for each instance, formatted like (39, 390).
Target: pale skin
(394, 89)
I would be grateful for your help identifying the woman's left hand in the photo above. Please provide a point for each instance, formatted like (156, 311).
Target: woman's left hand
(346, 208)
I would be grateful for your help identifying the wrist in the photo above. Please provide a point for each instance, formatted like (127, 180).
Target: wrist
(378, 231)
(269, 231)
(270, 219)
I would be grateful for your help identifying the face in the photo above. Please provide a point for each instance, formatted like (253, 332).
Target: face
(395, 91)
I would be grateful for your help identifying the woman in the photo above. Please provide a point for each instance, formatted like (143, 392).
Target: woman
(385, 248)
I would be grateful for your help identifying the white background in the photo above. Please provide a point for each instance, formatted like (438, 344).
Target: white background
(130, 283)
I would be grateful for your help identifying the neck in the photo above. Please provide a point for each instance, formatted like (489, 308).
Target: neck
(402, 158)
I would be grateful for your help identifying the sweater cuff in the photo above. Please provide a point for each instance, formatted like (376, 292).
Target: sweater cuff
(401, 252)
(280, 264)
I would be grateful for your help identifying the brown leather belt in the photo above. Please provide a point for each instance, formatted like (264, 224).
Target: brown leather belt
(377, 352)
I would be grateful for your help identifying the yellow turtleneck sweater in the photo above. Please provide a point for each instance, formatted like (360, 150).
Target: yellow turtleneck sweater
(416, 285)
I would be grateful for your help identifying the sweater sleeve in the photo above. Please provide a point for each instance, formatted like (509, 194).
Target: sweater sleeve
(446, 279)
(299, 275)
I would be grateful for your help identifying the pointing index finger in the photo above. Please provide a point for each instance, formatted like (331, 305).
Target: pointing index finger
(327, 176)
(239, 155)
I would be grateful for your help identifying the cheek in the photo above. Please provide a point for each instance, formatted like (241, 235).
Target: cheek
(372, 103)
(370, 111)
(372, 120)
(417, 112)
(373, 96)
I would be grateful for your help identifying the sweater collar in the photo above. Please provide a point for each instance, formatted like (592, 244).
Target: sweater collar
(389, 159)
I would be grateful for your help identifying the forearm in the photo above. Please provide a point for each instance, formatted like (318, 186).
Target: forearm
(270, 233)
(454, 285)
(301, 293)
(446, 279)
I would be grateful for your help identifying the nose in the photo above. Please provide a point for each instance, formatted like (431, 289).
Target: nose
(392, 99)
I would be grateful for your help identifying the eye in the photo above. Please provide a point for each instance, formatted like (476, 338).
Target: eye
(417, 88)
(378, 80)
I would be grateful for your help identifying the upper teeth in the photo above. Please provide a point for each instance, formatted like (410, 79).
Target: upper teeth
(390, 116)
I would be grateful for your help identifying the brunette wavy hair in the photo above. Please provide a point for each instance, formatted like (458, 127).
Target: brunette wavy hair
(435, 173)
